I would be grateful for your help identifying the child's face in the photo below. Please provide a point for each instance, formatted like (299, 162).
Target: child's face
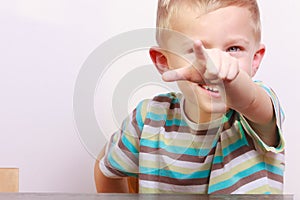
(229, 29)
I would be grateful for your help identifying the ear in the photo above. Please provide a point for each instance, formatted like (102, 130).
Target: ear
(258, 56)
(159, 59)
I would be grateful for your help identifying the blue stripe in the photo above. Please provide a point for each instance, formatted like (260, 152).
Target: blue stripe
(232, 147)
(114, 164)
(172, 174)
(156, 117)
(227, 116)
(274, 169)
(174, 149)
(176, 122)
(218, 159)
(138, 117)
(228, 150)
(129, 146)
(267, 193)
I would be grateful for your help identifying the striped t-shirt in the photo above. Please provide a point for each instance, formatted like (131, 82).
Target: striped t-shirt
(168, 153)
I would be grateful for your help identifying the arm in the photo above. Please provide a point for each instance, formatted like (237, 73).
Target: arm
(249, 99)
(242, 94)
(105, 184)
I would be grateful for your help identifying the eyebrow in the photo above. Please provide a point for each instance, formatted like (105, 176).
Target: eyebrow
(188, 44)
(238, 40)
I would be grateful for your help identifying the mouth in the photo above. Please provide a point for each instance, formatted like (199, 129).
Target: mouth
(210, 88)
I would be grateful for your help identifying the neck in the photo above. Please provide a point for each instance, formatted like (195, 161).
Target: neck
(198, 115)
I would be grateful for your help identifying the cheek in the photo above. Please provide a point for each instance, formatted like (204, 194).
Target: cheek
(246, 65)
(176, 61)
(186, 88)
(189, 90)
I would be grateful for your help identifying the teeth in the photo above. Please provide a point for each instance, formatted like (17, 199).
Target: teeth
(210, 88)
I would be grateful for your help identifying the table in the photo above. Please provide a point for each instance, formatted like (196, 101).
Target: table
(60, 196)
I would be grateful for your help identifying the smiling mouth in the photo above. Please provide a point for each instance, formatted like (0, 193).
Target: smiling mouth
(210, 88)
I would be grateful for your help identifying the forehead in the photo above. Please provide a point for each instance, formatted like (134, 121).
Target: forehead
(222, 22)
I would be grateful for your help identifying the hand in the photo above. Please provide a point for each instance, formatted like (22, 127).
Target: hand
(210, 66)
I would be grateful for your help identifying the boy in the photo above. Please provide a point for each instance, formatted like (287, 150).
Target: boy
(223, 133)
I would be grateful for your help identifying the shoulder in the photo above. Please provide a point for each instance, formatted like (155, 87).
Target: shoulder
(164, 102)
(279, 112)
(159, 104)
(268, 89)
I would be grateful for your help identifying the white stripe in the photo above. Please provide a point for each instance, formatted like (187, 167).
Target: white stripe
(165, 187)
(251, 186)
(130, 128)
(187, 136)
(163, 160)
(275, 184)
(177, 135)
(258, 183)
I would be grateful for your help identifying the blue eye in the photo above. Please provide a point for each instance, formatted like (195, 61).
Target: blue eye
(234, 49)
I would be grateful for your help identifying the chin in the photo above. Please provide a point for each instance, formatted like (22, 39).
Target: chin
(215, 109)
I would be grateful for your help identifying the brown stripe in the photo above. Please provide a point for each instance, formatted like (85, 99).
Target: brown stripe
(154, 123)
(112, 169)
(180, 157)
(173, 181)
(179, 129)
(135, 124)
(275, 177)
(164, 98)
(232, 119)
(226, 126)
(174, 105)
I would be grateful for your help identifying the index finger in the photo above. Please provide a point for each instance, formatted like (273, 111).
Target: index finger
(199, 50)
(203, 59)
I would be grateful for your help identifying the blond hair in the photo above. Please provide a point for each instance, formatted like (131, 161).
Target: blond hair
(169, 9)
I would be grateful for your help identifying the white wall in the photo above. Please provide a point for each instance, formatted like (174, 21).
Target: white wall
(43, 46)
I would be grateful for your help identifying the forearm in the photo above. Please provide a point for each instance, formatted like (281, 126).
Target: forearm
(249, 99)
(109, 185)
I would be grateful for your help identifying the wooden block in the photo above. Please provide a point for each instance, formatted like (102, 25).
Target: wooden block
(9, 179)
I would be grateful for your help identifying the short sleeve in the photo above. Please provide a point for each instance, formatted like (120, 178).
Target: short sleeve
(122, 151)
(279, 115)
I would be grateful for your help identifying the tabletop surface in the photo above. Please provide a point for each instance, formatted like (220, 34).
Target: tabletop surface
(60, 196)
